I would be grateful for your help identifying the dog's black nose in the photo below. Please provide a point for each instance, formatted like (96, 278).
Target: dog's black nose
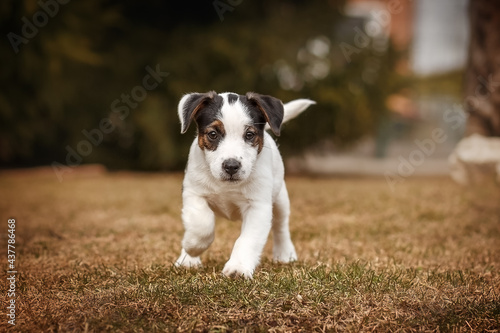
(231, 166)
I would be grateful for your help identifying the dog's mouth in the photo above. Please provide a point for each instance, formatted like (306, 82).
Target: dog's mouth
(231, 179)
(236, 178)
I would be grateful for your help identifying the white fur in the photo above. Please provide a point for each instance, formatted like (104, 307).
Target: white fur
(259, 199)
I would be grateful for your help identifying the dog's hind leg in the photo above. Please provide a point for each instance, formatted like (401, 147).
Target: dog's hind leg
(283, 249)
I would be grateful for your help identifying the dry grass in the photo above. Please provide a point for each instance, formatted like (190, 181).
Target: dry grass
(95, 254)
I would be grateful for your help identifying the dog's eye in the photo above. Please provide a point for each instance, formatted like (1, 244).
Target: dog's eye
(212, 135)
(249, 135)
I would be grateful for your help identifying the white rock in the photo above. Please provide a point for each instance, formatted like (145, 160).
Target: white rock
(476, 160)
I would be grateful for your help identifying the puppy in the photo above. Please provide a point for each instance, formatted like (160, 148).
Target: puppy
(235, 170)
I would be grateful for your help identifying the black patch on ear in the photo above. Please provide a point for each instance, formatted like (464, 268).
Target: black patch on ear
(232, 98)
(270, 107)
(210, 103)
(209, 113)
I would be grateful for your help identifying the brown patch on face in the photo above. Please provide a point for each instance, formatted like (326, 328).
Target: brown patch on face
(210, 136)
(256, 138)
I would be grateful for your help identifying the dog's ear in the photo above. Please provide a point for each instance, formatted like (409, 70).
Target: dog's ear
(190, 105)
(271, 107)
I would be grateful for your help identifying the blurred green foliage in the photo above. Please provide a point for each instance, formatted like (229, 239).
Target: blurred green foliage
(64, 80)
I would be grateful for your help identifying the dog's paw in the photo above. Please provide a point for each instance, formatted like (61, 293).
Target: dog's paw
(285, 255)
(185, 260)
(235, 269)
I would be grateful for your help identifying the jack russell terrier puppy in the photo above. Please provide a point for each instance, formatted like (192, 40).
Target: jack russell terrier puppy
(235, 170)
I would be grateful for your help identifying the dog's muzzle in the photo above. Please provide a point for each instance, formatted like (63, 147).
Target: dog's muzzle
(231, 166)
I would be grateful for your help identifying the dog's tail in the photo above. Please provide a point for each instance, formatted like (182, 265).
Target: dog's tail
(294, 108)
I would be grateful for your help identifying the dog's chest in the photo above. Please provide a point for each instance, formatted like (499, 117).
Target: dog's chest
(228, 205)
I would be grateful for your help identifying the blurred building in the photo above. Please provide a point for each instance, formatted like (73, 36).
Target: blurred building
(396, 18)
(431, 37)
(441, 33)
(434, 33)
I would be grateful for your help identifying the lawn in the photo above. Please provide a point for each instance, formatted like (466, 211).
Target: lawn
(94, 253)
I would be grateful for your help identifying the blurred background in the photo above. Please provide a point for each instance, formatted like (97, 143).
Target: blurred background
(98, 81)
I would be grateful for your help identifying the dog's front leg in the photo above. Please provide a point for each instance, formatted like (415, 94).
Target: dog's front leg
(248, 247)
(199, 225)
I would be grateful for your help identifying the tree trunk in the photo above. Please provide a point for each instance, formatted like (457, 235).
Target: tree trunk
(482, 80)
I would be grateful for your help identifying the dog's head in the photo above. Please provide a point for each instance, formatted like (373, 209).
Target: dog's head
(231, 129)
